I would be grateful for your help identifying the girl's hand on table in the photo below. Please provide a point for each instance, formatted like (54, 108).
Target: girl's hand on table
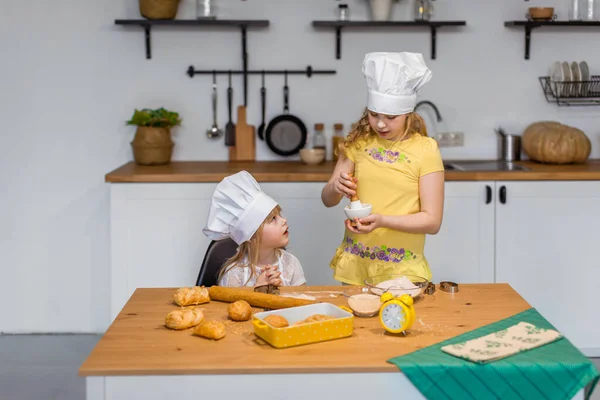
(366, 224)
(345, 185)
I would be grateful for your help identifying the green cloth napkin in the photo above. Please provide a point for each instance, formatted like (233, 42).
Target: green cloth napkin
(557, 370)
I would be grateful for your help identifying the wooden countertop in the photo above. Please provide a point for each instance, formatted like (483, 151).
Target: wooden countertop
(137, 343)
(296, 171)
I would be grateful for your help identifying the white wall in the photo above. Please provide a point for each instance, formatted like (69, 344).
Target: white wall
(70, 78)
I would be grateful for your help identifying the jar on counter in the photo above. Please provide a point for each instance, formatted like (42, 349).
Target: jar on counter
(338, 136)
(319, 141)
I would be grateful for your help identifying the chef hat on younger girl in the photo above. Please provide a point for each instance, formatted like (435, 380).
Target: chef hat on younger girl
(393, 80)
(238, 208)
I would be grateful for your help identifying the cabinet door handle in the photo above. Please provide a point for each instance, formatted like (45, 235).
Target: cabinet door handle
(488, 194)
(503, 194)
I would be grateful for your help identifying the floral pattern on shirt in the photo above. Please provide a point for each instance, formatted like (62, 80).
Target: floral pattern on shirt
(382, 155)
(381, 253)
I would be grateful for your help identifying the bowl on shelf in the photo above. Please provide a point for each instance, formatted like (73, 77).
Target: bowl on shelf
(312, 156)
(541, 13)
(397, 284)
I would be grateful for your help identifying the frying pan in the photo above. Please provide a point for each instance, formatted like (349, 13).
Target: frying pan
(286, 134)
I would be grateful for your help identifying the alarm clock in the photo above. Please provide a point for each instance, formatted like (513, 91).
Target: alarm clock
(396, 314)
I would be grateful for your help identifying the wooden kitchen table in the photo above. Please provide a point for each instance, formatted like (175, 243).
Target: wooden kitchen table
(138, 358)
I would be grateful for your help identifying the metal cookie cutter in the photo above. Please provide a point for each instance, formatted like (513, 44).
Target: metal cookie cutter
(430, 289)
(449, 287)
(268, 289)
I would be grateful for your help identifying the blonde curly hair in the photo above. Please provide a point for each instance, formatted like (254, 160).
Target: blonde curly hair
(361, 130)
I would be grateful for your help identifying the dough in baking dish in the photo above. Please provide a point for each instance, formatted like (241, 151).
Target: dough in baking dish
(276, 321)
(314, 318)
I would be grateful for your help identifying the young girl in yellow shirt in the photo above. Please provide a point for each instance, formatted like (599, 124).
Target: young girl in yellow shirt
(396, 168)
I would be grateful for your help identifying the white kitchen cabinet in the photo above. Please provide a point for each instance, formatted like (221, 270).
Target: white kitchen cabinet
(463, 249)
(156, 236)
(547, 249)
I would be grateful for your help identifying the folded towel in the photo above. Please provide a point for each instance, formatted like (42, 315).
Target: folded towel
(507, 342)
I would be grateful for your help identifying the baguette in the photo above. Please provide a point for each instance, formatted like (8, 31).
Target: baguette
(255, 299)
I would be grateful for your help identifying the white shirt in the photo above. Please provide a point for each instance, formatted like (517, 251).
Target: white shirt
(289, 266)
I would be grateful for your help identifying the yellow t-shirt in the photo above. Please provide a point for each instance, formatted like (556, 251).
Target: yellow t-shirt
(388, 178)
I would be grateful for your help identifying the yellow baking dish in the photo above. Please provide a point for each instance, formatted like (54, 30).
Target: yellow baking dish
(339, 327)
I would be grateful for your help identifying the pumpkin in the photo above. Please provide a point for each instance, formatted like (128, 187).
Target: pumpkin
(555, 143)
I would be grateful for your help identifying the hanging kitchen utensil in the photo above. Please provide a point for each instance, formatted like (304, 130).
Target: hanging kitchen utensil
(214, 132)
(263, 96)
(230, 127)
(286, 133)
(245, 139)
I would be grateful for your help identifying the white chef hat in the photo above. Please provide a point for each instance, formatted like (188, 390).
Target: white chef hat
(393, 80)
(238, 208)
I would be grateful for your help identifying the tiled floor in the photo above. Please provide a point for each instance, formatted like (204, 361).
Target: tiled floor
(44, 367)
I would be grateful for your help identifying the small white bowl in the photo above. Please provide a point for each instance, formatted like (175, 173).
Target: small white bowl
(312, 156)
(364, 304)
(358, 213)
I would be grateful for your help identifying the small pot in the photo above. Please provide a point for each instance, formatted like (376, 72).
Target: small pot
(152, 146)
(541, 13)
(381, 10)
(158, 9)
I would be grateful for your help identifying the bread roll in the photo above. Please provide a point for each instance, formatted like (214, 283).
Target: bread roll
(184, 318)
(191, 296)
(239, 310)
(276, 321)
(211, 330)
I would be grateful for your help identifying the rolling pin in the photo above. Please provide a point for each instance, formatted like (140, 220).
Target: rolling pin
(255, 299)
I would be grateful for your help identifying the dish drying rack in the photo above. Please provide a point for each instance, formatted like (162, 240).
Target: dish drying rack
(572, 93)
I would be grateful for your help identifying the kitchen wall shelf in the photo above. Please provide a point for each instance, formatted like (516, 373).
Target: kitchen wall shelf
(576, 93)
(530, 25)
(147, 24)
(338, 25)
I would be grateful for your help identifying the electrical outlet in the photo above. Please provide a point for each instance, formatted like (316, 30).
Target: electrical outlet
(450, 139)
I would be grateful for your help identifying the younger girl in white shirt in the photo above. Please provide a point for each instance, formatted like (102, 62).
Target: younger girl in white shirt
(242, 211)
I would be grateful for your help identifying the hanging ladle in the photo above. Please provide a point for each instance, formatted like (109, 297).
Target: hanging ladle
(214, 132)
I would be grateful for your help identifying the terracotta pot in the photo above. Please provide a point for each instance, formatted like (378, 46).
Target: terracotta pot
(152, 146)
(541, 12)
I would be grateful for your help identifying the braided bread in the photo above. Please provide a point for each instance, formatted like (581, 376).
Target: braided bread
(191, 296)
(211, 330)
(184, 318)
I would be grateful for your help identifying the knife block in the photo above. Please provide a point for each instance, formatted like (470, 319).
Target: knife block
(245, 139)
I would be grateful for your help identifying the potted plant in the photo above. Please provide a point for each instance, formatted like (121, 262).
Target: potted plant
(152, 144)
